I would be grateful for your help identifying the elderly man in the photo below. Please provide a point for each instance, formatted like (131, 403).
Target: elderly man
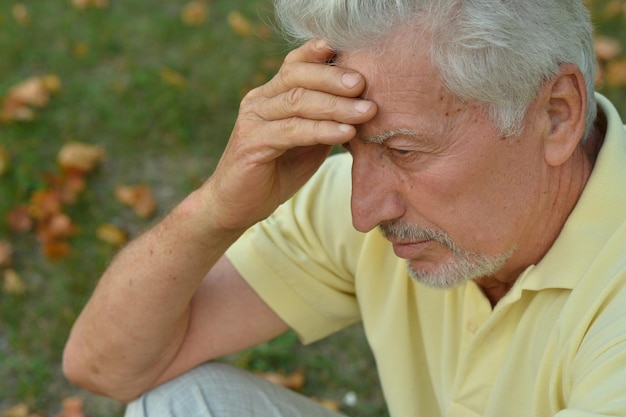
(475, 145)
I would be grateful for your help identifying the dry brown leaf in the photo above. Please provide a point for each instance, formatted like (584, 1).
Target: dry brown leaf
(84, 4)
(138, 197)
(325, 402)
(44, 204)
(112, 234)
(615, 73)
(612, 9)
(294, 381)
(72, 407)
(32, 92)
(56, 249)
(20, 14)
(57, 226)
(19, 219)
(194, 13)
(14, 285)
(80, 156)
(606, 48)
(239, 24)
(6, 254)
(173, 78)
(5, 160)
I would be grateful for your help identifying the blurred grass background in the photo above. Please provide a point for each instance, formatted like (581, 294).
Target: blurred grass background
(159, 92)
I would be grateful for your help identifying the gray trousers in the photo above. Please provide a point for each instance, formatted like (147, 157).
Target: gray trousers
(220, 390)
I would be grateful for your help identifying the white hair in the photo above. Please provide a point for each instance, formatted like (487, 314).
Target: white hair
(498, 53)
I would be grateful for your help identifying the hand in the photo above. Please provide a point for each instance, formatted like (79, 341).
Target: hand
(283, 133)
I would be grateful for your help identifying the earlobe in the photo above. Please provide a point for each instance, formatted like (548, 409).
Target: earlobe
(566, 107)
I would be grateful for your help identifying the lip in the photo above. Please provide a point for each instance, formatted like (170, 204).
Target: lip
(410, 250)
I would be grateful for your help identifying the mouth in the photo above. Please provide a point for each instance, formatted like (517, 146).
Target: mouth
(410, 249)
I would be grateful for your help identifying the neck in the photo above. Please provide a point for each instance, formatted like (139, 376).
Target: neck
(568, 182)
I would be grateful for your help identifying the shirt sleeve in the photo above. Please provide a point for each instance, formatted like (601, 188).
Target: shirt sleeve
(301, 260)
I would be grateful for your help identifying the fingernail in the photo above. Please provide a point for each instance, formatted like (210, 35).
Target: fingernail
(345, 128)
(363, 106)
(350, 79)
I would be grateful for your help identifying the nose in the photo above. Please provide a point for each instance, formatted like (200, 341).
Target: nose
(375, 198)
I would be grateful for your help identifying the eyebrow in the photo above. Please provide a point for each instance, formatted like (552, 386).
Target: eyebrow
(388, 134)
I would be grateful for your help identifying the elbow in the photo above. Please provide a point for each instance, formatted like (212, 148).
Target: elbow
(88, 375)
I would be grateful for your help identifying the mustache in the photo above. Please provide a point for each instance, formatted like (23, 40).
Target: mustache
(401, 230)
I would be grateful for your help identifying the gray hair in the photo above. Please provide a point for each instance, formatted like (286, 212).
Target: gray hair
(498, 53)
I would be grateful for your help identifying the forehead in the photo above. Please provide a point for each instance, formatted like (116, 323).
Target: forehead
(408, 91)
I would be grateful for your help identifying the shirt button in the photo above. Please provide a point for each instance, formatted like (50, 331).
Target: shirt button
(472, 327)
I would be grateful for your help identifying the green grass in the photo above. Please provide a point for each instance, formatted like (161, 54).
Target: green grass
(110, 63)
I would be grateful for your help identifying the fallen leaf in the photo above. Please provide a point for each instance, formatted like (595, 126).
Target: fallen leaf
(194, 13)
(81, 4)
(19, 219)
(112, 234)
(80, 156)
(32, 92)
(329, 404)
(294, 381)
(172, 78)
(615, 73)
(56, 249)
(6, 253)
(14, 285)
(239, 24)
(68, 185)
(44, 204)
(100, 4)
(612, 9)
(606, 48)
(57, 226)
(20, 14)
(72, 407)
(138, 197)
(4, 160)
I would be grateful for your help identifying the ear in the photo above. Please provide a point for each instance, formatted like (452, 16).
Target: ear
(566, 105)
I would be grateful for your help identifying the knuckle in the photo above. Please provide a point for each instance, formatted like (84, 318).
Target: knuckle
(294, 97)
(289, 125)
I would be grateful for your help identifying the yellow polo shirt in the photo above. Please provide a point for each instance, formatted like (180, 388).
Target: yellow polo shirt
(555, 345)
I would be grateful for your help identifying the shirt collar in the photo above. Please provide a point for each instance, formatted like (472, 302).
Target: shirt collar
(599, 212)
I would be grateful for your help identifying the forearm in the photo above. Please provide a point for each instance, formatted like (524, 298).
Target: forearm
(137, 318)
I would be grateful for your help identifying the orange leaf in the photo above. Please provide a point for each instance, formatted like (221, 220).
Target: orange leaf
(44, 204)
(6, 253)
(606, 48)
(239, 24)
(112, 234)
(138, 197)
(57, 226)
(13, 284)
(56, 249)
(19, 219)
(172, 78)
(72, 407)
(80, 156)
(615, 73)
(20, 14)
(330, 404)
(4, 160)
(194, 13)
(294, 381)
(32, 92)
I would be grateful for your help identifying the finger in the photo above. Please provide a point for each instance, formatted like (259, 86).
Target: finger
(315, 51)
(286, 134)
(305, 67)
(314, 105)
(330, 79)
